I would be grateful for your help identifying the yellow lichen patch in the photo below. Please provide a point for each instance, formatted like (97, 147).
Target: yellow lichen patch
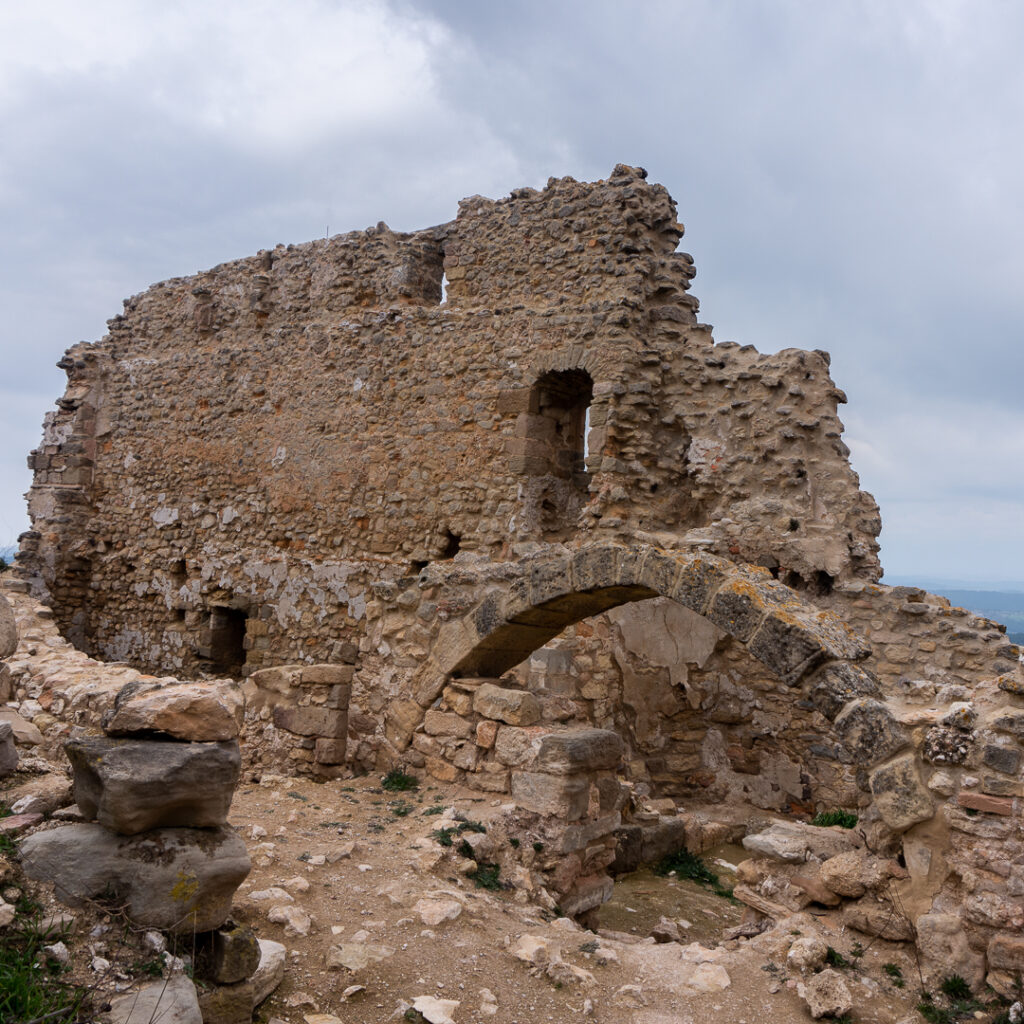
(186, 888)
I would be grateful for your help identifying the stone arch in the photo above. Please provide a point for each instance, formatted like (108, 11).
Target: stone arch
(540, 596)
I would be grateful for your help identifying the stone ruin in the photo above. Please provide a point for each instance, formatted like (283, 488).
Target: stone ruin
(489, 502)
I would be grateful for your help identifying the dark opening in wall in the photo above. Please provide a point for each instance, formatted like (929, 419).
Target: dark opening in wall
(557, 423)
(452, 543)
(227, 639)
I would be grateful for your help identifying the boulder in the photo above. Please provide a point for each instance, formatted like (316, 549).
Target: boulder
(807, 954)
(133, 786)
(172, 879)
(170, 1001)
(204, 712)
(514, 707)
(853, 873)
(8, 629)
(25, 733)
(270, 972)
(8, 751)
(878, 918)
(826, 995)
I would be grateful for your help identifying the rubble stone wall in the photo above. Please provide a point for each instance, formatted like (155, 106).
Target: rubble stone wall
(250, 449)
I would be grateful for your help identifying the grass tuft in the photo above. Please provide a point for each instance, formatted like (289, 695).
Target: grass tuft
(826, 819)
(689, 865)
(397, 781)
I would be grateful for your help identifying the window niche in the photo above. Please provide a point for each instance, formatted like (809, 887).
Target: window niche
(222, 642)
(550, 450)
(555, 426)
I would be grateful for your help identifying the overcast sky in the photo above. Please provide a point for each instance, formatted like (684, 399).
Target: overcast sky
(850, 175)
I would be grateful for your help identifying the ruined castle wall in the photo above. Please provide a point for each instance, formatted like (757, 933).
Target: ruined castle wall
(250, 449)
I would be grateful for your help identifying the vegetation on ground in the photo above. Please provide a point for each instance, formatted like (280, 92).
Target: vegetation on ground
(31, 988)
(397, 781)
(688, 865)
(826, 819)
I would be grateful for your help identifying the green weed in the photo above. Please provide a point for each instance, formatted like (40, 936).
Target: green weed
(836, 959)
(397, 781)
(30, 988)
(689, 865)
(825, 819)
(486, 876)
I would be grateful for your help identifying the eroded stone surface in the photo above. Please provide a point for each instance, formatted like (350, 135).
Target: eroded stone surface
(179, 880)
(195, 711)
(131, 786)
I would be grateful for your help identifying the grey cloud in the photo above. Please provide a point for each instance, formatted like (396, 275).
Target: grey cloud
(848, 175)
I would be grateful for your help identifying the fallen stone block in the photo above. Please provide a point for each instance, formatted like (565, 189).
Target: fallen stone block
(201, 711)
(270, 972)
(826, 995)
(25, 733)
(794, 842)
(133, 786)
(878, 918)
(172, 879)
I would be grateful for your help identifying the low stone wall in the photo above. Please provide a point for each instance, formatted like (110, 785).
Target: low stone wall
(297, 717)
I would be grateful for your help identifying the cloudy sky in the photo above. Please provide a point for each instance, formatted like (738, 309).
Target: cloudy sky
(850, 176)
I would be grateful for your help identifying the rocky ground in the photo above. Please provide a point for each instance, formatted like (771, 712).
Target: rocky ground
(383, 917)
(378, 918)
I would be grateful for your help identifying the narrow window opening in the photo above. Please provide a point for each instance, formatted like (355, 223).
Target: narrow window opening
(560, 422)
(444, 288)
(227, 639)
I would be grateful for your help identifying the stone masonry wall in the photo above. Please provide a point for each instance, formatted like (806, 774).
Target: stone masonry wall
(249, 450)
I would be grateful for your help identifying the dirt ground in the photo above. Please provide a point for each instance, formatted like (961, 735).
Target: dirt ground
(370, 895)
(388, 917)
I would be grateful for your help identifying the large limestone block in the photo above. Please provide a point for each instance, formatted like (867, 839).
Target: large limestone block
(203, 712)
(8, 629)
(515, 707)
(579, 750)
(561, 795)
(132, 786)
(795, 842)
(869, 731)
(899, 795)
(171, 1001)
(173, 879)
